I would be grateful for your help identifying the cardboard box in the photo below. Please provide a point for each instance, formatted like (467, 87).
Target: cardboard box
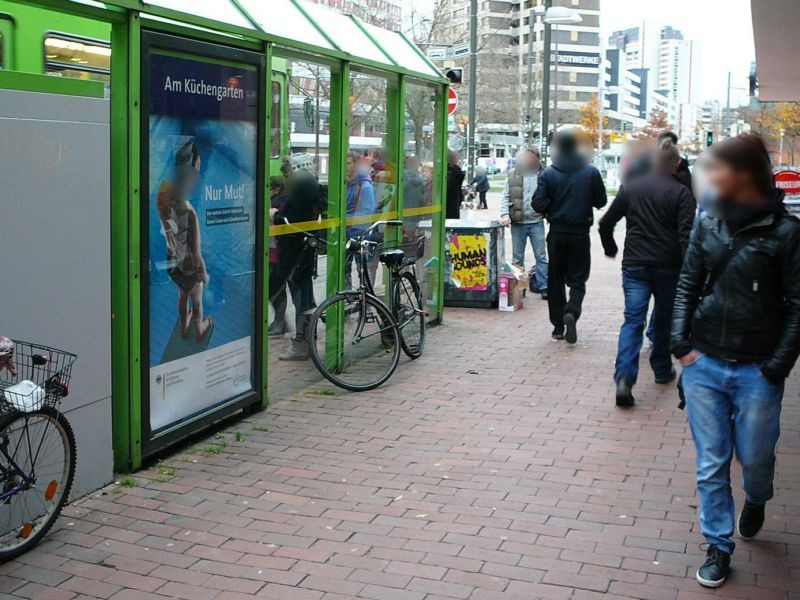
(513, 283)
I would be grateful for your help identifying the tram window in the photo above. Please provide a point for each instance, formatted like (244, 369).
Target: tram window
(67, 56)
(275, 120)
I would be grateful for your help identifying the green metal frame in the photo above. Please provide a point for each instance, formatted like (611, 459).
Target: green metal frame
(126, 19)
(33, 82)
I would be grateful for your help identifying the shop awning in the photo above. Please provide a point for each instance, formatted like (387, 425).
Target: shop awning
(775, 24)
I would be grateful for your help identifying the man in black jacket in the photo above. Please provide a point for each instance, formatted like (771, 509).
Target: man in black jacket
(659, 213)
(736, 331)
(568, 190)
(295, 259)
(455, 186)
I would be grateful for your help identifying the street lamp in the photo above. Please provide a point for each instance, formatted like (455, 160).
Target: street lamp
(554, 15)
(536, 11)
(780, 151)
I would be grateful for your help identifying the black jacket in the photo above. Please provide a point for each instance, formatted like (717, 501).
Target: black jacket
(455, 195)
(659, 213)
(481, 183)
(567, 192)
(302, 198)
(752, 311)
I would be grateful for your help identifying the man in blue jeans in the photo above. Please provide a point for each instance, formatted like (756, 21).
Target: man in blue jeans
(526, 224)
(736, 331)
(659, 212)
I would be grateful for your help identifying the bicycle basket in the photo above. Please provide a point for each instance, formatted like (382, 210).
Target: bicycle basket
(37, 376)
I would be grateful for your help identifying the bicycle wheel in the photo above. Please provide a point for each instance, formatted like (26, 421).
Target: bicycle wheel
(39, 446)
(368, 350)
(409, 314)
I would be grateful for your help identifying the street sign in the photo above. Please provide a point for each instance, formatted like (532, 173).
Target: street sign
(788, 181)
(618, 138)
(452, 101)
(459, 50)
(437, 52)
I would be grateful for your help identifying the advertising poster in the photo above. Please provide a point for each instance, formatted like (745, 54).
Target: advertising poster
(469, 255)
(202, 203)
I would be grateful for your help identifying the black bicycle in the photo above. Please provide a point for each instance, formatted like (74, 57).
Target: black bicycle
(365, 351)
(37, 446)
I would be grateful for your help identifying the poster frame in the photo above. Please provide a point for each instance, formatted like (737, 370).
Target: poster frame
(251, 400)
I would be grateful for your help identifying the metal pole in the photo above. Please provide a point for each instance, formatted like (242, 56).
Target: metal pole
(780, 151)
(555, 89)
(473, 87)
(600, 122)
(727, 124)
(546, 85)
(317, 160)
(528, 96)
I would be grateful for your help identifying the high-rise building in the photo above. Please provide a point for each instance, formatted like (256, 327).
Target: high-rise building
(383, 13)
(673, 64)
(504, 27)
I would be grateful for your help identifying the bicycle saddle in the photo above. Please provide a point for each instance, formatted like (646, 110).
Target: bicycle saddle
(392, 258)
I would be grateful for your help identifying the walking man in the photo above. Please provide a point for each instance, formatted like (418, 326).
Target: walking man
(516, 211)
(566, 194)
(736, 331)
(659, 212)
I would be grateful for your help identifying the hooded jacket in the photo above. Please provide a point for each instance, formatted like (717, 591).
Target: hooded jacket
(455, 195)
(749, 310)
(360, 202)
(568, 190)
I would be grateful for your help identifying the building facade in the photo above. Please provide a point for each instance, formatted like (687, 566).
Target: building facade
(383, 13)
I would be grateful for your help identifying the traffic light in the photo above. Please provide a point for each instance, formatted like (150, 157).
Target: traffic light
(709, 137)
(455, 75)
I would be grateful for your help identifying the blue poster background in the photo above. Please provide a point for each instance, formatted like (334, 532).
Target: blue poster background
(224, 133)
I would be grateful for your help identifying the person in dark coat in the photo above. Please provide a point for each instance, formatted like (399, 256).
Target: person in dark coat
(481, 184)
(455, 184)
(295, 257)
(567, 193)
(659, 212)
(736, 331)
(277, 287)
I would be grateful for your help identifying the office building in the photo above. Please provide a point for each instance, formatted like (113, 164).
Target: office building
(383, 13)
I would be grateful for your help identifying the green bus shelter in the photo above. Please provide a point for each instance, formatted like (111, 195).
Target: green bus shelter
(205, 102)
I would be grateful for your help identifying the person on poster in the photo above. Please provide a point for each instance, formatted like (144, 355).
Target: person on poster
(186, 266)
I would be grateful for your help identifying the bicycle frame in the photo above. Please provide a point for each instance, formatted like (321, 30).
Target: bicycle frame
(27, 480)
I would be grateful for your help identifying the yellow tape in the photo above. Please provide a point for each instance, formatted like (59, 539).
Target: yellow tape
(276, 230)
(422, 210)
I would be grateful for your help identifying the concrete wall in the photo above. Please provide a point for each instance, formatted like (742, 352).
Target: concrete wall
(55, 285)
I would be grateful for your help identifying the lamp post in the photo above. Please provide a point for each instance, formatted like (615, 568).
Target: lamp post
(780, 151)
(554, 15)
(535, 11)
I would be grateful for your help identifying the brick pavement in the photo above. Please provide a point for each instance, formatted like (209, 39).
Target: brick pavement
(495, 467)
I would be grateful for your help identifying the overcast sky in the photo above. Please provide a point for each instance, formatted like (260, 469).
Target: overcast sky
(723, 28)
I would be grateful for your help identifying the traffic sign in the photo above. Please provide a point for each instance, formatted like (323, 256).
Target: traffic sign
(452, 103)
(788, 181)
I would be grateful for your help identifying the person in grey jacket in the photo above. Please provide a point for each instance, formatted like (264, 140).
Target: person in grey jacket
(516, 211)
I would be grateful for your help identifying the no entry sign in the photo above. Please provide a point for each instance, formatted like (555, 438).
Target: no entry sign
(452, 103)
(788, 181)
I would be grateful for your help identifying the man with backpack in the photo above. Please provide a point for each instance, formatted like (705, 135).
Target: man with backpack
(516, 211)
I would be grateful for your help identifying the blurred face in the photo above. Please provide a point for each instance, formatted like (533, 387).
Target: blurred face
(730, 183)
(351, 167)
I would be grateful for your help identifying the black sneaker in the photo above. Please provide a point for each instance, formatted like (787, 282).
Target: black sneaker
(669, 379)
(716, 568)
(544, 294)
(624, 394)
(558, 332)
(750, 520)
(570, 323)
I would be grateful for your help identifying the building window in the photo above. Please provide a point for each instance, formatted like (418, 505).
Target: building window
(573, 77)
(573, 36)
(79, 58)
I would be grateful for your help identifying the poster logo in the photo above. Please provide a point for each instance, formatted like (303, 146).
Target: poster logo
(469, 255)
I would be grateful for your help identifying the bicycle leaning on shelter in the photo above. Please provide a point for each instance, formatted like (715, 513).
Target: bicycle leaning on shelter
(37, 446)
(364, 352)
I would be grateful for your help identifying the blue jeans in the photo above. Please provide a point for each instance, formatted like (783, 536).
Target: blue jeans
(731, 406)
(639, 284)
(520, 234)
